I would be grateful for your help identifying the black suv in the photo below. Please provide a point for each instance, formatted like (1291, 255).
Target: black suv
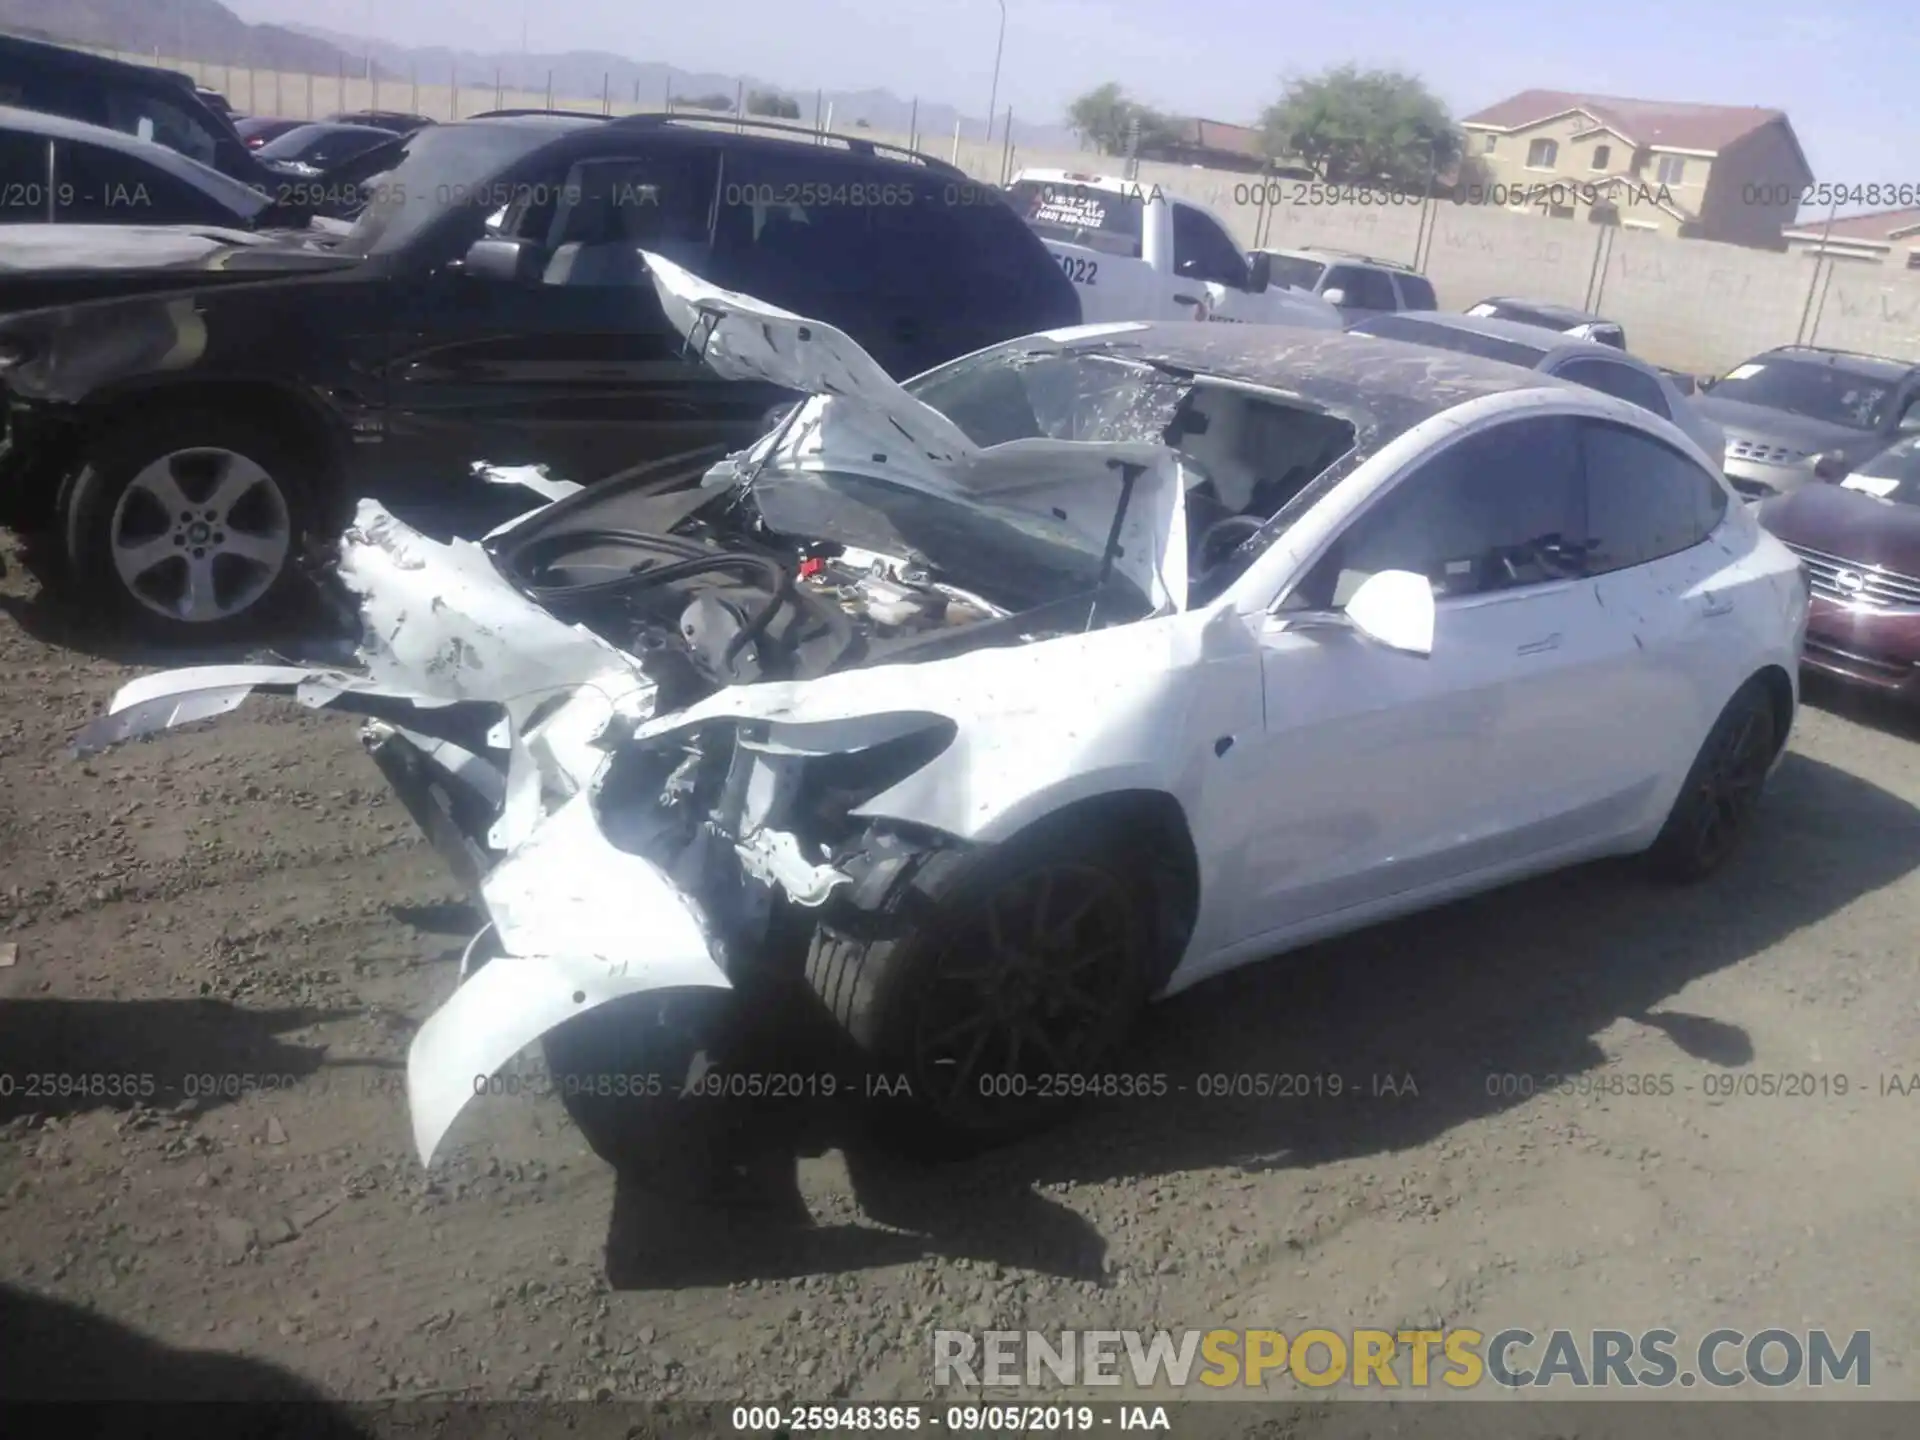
(1800, 413)
(154, 104)
(183, 436)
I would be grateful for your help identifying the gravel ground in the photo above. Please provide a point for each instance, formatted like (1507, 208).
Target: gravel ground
(248, 901)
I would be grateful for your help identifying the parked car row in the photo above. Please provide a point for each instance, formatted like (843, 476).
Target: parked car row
(489, 304)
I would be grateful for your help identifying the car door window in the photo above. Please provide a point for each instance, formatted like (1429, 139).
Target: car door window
(152, 117)
(793, 229)
(1645, 500)
(98, 186)
(1362, 288)
(610, 209)
(1203, 251)
(1623, 382)
(27, 193)
(935, 240)
(1497, 510)
(1417, 293)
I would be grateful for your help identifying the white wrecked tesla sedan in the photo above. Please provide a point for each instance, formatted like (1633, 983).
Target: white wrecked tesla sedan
(1068, 675)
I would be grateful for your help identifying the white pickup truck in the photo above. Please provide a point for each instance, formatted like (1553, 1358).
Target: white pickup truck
(1136, 253)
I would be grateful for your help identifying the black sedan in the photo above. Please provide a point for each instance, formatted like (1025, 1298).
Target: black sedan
(310, 151)
(398, 121)
(258, 130)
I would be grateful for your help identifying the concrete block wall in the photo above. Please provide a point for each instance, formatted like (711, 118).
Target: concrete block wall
(1688, 304)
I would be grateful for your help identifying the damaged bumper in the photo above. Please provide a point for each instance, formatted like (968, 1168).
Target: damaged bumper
(492, 721)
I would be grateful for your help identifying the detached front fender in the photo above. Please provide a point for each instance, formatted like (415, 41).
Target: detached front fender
(583, 924)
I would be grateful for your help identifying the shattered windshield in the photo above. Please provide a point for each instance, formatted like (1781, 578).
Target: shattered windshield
(1004, 395)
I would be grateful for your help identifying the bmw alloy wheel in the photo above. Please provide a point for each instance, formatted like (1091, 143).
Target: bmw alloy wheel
(200, 534)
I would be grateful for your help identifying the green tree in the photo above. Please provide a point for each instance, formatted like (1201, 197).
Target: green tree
(1105, 115)
(1356, 126)
(770, 102)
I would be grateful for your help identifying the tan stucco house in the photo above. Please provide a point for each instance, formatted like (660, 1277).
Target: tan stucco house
(1884, 237)
(1712, 172)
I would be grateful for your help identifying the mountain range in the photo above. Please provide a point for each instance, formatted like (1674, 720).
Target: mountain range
(209, 32)
(587, 74)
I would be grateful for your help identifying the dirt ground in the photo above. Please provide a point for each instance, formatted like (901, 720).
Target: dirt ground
(247, 901)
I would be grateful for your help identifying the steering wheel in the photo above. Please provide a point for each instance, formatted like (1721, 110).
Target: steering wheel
(1210, 550)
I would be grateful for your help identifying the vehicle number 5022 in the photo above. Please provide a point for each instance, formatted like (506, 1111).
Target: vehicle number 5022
(1080, 272)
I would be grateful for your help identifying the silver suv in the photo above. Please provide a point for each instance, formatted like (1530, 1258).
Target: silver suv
(1358, 286)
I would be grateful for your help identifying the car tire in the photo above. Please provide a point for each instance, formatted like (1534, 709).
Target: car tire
(187, 525)
(913, 987)
(619, 1071)
(1722, 789)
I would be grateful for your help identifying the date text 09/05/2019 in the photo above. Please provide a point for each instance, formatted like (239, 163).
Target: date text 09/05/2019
(959, 1419)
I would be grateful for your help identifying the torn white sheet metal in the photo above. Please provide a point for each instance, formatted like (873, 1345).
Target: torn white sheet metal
(568, 951)
(180, 697)
(527, 477)
(441, 626)
(742, 338)
(442, 622)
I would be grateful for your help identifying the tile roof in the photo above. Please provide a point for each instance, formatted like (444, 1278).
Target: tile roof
(1880, 227)
(1678, 124)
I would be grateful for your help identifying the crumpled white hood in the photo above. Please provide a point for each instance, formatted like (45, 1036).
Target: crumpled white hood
(861, 421)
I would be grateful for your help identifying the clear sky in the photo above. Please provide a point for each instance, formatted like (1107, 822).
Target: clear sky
(1844, 70)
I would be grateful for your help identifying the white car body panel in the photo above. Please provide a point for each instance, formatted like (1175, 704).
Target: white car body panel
(1117, 287)
(1326, 781)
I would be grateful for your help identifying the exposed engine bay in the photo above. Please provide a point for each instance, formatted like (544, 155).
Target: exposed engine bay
(705, 594)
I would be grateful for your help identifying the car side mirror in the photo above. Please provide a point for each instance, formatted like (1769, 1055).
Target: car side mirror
(1830, 467)
(1335, 296)
(1707, 383)
(1394, 608)
(518, 262)
(1259, 271)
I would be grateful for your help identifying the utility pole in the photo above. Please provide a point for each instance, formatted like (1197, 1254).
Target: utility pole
(999, 47)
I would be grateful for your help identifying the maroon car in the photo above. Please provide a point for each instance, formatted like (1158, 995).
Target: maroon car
(1860, 542)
